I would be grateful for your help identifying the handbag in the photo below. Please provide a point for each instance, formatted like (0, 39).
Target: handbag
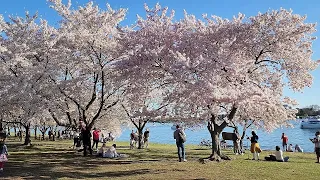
(3, 158)
(182, 137)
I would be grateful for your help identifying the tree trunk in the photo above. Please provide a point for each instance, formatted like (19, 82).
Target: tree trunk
(242, 139)
(35, 132)
(215, 131)
(216, 149)
(241, 146)
(140, 133)
(27, 139)
(8, 129)
(53, 136)
(15, 131)
(43, 134)
(140, 128)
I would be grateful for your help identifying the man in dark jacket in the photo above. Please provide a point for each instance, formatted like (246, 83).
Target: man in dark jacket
(177, 135)
(86, 139)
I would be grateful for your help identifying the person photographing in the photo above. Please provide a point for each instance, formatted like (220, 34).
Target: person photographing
(316, 141)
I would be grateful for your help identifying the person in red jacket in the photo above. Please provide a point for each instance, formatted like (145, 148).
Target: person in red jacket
(284, 142)
(96, 137)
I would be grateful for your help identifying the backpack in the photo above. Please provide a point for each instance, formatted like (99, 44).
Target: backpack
(182, 137)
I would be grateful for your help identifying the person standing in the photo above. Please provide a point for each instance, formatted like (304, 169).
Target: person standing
(180, 136)
(86, 138)
(49, 134)
(146, 138)
(96, 137)
(284, 142)
(111, 136)
(316, 141)
(236, 142)
(76, 139)
(255, 148)
(132, 139)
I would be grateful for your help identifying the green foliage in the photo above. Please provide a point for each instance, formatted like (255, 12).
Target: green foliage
(313, 110)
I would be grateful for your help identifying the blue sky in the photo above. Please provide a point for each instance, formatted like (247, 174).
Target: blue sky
(225, 9)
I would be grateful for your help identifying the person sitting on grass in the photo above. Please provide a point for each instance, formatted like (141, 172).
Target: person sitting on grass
(290, 148)
(111, 152)
(298, 148)
(278, 156)
(102, 150)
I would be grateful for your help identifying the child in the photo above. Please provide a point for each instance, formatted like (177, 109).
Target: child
(3, 155)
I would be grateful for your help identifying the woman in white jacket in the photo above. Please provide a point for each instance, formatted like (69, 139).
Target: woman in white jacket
(111, 152)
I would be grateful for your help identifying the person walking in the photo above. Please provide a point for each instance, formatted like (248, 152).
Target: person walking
(316, 141)
(255, 148)
(180, 138)
(3, 154)
(284, 142)
(96, 137)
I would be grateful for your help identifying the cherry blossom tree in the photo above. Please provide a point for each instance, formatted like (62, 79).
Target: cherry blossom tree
(220, 69)
(81, 71)
(68, 69)
(144, 103)
(22, 41)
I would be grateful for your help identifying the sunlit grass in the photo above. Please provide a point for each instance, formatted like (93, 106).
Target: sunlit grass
(56, 160)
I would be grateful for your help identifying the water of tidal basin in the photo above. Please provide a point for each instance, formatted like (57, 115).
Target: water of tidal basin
(162, 133)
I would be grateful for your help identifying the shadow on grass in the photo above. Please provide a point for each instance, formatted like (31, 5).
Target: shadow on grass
(48, 173)
(66, 165)
(51, 161)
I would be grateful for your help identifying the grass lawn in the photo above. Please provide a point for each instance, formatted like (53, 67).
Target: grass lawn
(55, 160)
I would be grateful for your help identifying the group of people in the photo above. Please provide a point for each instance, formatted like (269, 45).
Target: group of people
(278, 155)
(83, 137)
(134, 139)
(289, 148)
